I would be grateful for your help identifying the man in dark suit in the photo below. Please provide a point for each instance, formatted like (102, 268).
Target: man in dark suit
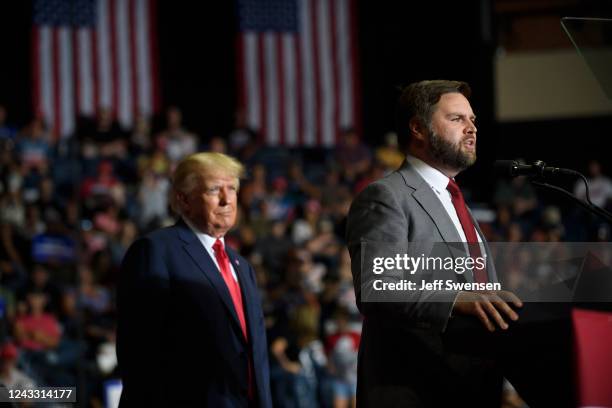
(191, 328)
(404, 359)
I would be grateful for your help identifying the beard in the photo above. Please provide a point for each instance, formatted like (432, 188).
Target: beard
(449, 154)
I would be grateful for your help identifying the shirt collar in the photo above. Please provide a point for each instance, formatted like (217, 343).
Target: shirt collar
(207, 240)
(434, 177)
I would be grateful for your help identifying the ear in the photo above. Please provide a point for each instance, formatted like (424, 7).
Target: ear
(418, 130)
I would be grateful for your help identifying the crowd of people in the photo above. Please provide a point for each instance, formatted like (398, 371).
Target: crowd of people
(69, 209)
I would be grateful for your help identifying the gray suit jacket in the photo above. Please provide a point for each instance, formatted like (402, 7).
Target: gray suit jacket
(403, 359)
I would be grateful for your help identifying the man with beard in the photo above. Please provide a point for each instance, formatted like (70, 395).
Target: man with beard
(404, 359)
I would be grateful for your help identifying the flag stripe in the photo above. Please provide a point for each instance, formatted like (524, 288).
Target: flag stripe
(135, 94)
(280, 94)
(65, 84)
(123, 66)
(104, 57)
(263, 101)
(36, 75)
(345, 77)
(46, 75)
(299, 94)
(57, 101)
(76, 72)
(86, 74)
(326, 83)
(289, 96)
(308, 85)
(91, 54)
(316, 53)
(354, 69)
(153, 57)
(144, 59)
(95, 71)
(271, 81)
(251, 69)
(334, 34)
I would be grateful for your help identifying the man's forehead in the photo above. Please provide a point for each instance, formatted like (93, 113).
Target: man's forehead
(218, 178)
(454, 102)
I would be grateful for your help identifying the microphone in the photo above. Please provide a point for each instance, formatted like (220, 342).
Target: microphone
(512, 168)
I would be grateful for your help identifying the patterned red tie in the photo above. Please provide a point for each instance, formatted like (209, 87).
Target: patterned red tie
(232, 285)
(480, 274)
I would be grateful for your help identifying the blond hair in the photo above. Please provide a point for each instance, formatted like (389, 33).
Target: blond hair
(193, 169)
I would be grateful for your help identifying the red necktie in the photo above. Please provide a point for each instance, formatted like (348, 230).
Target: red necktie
(480, 274)
(234, 290)
(232, 285)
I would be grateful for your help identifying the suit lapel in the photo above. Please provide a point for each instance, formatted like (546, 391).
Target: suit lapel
(205, 264)
(431, 204)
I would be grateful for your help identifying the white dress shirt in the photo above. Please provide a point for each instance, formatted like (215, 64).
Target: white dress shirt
(208, 241)
(438, 182)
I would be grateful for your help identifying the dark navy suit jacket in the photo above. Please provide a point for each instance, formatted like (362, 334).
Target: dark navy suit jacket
(179, 340)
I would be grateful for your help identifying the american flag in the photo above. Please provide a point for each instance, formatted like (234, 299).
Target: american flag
(92, 54)
(297, 72)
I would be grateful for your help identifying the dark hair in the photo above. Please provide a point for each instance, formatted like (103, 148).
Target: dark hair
(419, 99)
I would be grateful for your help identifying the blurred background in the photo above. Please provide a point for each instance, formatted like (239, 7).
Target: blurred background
(100, 99)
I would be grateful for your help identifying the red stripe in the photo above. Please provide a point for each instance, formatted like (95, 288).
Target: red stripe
(154, 51)
(299, 92)
(36, 90)
(75, 73)
(57, 97)
(335, 68)
(133, 62)
(281, 89)
(241, 75)
(357, 123)
(316, 68)
(94, 67)
(113, 58)
(263, 128)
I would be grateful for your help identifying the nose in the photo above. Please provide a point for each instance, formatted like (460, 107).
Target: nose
(223, 196)
(471, 128)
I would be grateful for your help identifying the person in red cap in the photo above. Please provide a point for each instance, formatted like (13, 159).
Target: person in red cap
(10, 375)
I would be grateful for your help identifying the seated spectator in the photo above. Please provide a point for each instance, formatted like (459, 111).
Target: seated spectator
(353, 156)
(32, 147)
(10, 375)
(389, 154)
(178, 141)
(93, 298)
(104, 138)
(103, 189)
(37, 330)
(153, 198)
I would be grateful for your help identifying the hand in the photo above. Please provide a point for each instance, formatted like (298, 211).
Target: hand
(488, 306)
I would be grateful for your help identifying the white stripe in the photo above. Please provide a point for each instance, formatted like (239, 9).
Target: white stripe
(46, 74)
(66, 85)
(345, 72)
(271, 84)
(326, 82)
(308, 85)
(105, 86)
(86, 80)
(251, 67)
(143, 58)
(124, 64)
(289, 98)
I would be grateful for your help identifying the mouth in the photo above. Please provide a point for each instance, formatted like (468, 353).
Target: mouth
(470, 144)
